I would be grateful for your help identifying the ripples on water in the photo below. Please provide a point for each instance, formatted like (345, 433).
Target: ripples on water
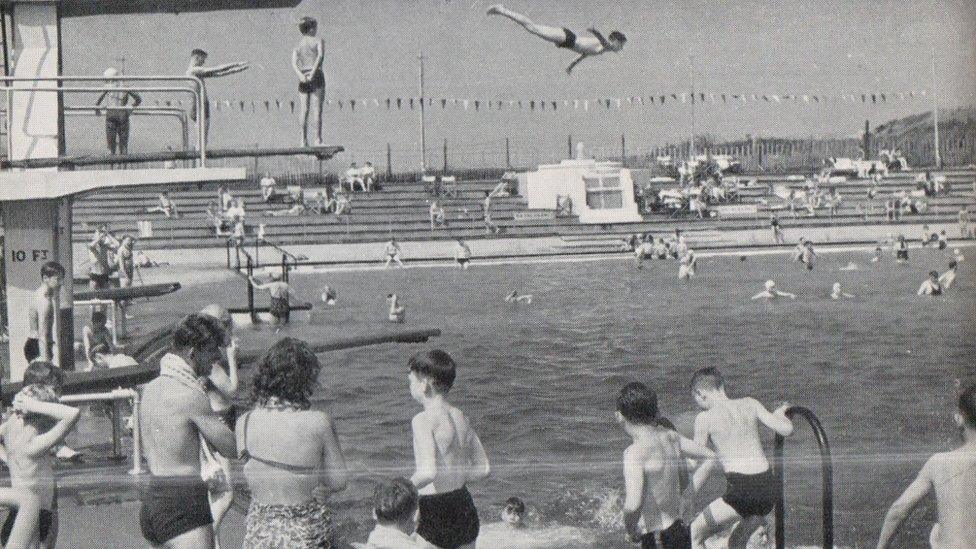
(538, 381)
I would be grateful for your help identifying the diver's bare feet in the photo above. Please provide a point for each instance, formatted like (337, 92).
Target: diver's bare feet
(496, 9)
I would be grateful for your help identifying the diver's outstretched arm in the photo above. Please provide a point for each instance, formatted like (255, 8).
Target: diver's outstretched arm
(569, 69)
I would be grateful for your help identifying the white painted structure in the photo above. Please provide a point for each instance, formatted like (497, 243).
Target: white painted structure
(602, 192)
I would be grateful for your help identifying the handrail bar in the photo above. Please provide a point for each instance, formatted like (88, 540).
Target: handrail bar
(827, 474)
(199, 94)
(174, 112)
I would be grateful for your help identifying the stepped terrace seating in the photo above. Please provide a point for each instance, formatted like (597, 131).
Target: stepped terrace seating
(402, 209)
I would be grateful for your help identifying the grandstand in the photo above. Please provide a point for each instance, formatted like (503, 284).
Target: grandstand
(402, 208)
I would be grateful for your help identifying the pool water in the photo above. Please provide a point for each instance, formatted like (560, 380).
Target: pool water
(538, 381)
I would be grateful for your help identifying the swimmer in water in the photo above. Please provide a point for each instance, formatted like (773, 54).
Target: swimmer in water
(951, 477)
(641, 252)
(800, 248)
(949, 277)
(901, 249)
(585, 46)
(808, 257)
(514, 297)
(393, 253)
(397, 313)
(837, 293)
(878, 253)
(957, 255)
(329, 296)
(462, 254)
(851, 266)
(514, 513)
(772, 293)
(931, 286)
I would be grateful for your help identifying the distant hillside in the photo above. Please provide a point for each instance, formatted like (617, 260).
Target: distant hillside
(914, 136)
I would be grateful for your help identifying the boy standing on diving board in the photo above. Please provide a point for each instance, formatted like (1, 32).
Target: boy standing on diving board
(562, 37)
(306, 60)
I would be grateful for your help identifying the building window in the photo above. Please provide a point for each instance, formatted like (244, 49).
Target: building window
(604, 192)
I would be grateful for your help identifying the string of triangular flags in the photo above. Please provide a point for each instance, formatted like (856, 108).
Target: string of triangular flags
(604, 103)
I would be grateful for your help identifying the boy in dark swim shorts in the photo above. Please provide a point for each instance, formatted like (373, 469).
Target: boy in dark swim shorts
(732, 427)
(278, 289)
(448, 454)
(306, 60)
(562, 37)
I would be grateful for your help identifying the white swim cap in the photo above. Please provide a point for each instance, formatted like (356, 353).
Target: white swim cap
(111, 72)
(957, 251)
(770, 284)
(836, 286)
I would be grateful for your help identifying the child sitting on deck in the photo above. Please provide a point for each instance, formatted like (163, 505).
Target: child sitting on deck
(38, 425)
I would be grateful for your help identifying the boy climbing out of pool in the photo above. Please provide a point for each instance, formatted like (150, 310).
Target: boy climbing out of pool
(462, 254)
(38, 425)
(951, 478)
(931, 286)
(278, 289)
(392, 253)
(562, 37)
(306, 60)
(397, 313)
(448, 455)
(732, 427)
(654, 464)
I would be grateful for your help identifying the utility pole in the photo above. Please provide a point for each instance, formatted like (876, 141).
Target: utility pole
(691, 72)
(423, 120)
(935, 114)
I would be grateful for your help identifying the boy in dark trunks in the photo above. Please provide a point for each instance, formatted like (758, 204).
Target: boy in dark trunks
(585, 46)
(732, 426)
(448, 454)
(175, 414)
(654, 466)
(42, 317)
(306, 60)
(278, 289)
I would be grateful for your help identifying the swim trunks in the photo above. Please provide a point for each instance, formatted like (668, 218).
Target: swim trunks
(901, 254)
(172, 506)
(315, 84)
(750, 495)
(570, 41)
(279, 308)
(32, 350)
(306, 526)
(448, 520)
(43, 525)
(676, 536)
(99, 280)
(463, 260)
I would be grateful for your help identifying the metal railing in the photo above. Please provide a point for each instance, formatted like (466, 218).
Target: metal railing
(198, 92)
(179, 114)
(114, 397)
(827, 475)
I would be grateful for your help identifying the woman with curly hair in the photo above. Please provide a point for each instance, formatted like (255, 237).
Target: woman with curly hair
(291, 454)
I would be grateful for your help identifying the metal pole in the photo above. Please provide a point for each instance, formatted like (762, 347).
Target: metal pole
(423, 121)
(623, 150)
(827, 477)
(389, 160)
(691, 71)
(6, 51)
(136, 436)
(250, 290)
(935, 115)
(445, 155)
(569, 145)
(508, 154)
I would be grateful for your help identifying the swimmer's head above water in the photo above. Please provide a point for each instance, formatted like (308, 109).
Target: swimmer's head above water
(636, 405)
(395, 503)
(513, 513)
(770, 284)
(966, 413)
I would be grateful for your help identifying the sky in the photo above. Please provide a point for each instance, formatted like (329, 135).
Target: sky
(741, 46)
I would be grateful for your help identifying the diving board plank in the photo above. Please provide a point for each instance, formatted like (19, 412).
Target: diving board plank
(80, 8)
(54, 185)
(322, 153)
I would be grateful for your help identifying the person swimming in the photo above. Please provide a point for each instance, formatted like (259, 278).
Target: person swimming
(851, 266)
(513, 514)
(837, 293)
(515, 297)
(957, 255)
(397, 312)
(772, 293)
(329, 296)
(931, 286)
(688, 264)
(949, 277)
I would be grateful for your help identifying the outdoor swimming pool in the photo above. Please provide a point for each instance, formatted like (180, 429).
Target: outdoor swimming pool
(538, 381)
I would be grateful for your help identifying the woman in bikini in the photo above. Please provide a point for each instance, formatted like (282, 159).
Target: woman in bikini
(292, 459)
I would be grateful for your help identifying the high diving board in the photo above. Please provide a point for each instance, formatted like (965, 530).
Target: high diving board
(321, 153)
(56, 185)
(77, 8)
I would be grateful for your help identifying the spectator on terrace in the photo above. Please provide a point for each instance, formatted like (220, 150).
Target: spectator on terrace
(564, 206)
(226, 199)
(437, 216)
(236, 210)
(834, 201)
(964, 231)
(368, 175)
(343, 206)
(238, 235)
(295, 210)
(219, 220)
(166, 206)
(321, 205)
(269, 188)
(352, 177)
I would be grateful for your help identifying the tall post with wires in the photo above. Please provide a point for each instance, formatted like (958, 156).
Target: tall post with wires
(423, 120)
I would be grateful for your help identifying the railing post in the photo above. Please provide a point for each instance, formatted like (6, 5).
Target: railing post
(826, 468)
(250, 292)
(136, 436)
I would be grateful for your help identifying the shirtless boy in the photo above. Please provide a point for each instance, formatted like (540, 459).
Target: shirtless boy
(41, 340)
(732, 427)
(392, 253)
(176, 414)
(280, 296)
(562, 37)
(951, 476)
(306, 60)
(448, 454)
(198, 58)
(653, 467)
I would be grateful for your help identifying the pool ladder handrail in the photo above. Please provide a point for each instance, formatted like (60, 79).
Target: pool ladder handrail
(827, 475)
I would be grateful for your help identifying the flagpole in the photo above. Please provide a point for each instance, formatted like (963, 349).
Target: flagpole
(935, 114)
(691, 72)
(423, 121)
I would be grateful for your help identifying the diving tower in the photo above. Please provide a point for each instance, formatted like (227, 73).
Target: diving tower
(39, 182)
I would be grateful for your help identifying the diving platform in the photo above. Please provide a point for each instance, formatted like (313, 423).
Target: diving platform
(319, 152)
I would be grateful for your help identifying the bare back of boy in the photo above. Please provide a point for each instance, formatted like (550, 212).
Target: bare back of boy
(733, 427)
(953, 478)
(454, 444)
(662, 464)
